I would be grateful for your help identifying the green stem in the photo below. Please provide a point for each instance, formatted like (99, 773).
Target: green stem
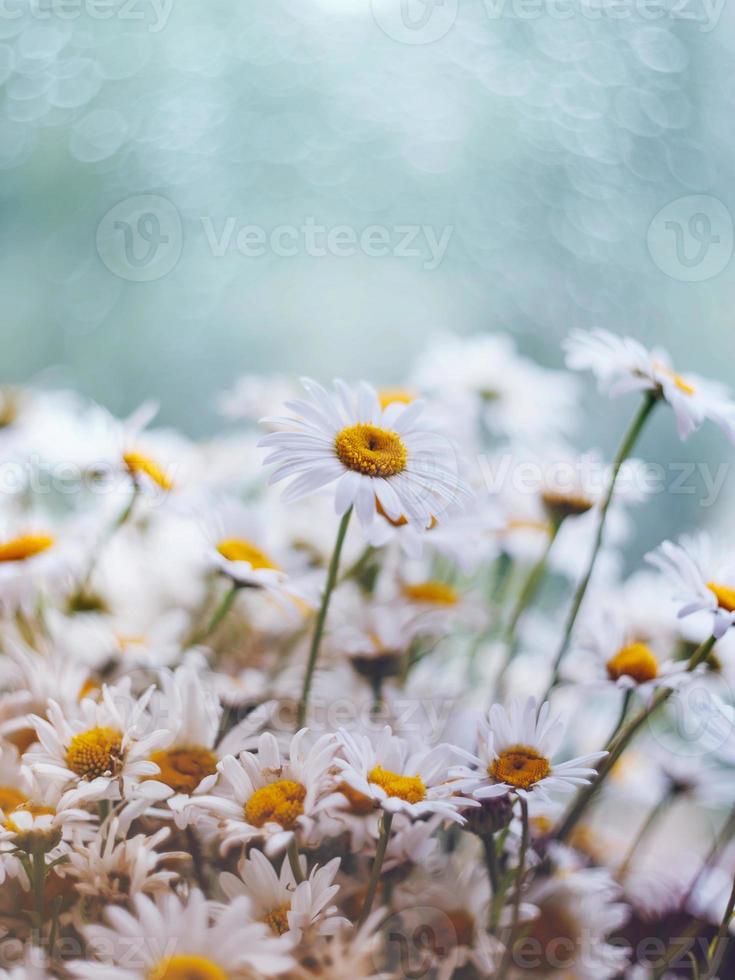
(623, 712)
(518, 893)
(626, 447)
(293, 860)
(321, 619)
(719, 943)
(660, 808)
(123, 517)
(219, 614)
(491, 863)
(385, 825)
(38, 869)
(621, 742)
(525, 597)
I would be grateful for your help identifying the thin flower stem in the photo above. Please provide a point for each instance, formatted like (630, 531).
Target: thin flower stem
(491, 863)
(623, 712)
(621, 742)
(719, 943)
(294, 861)
(657, 811)
(530, 586)
(722, 838)
(38, 869)
(517, 895)
(321, 619)
(120, 521)
(385, 825)
(219, 614)
(626, 447)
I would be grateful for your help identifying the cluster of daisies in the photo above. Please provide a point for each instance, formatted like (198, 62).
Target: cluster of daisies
(362, 687)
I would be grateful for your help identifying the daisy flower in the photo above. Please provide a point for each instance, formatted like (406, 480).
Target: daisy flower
(702, 581)
(379, 458)
(576, 913)
(399, 777)
(271, 797)
(102, 751)
(621, 659)
(170, 939)
(515, 755)
(290, 909)
(622, 364)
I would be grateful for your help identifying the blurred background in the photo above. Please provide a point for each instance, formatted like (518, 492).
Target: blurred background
(191, 192)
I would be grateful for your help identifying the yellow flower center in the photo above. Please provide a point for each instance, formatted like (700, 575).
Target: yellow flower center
(386, 396)
(237, 549)
(433, 592)
(10, 798)
(635, 660)
(277, 918)
(408, 788)
(370, 450)
(358, 803)
(681, 383)
(183, 768)
(97, 752)
(138, 463)
(26, 546)
(281, 802)
(35, 810)
(520, 766)
(561, 505)
(724, 594)
(186, 968)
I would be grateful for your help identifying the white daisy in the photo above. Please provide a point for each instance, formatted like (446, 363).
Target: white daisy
(168, 938)
(621, 659)
(515, 752)
(290, 909)
(271, 797)
(102, 751)
(38, 556)
(399, 777)
(701, 579)
(378, 457)
(622, 364)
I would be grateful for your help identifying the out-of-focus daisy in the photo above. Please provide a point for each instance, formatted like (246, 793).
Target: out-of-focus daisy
(189, 710)
(515, 755)
(376, 457)
(270, 796)
(513, 396)
(39, 556)
(399, 777)
(622, 364)
(621, 659)
(577, 915)
(701, 580)
(254, 395)
(103, 750)
(290, 909)
(171, 939)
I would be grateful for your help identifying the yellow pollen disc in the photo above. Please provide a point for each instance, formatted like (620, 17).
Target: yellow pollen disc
(386, 396)
(97, 752)
(370, 450)
(520, 766)
(88, 689)
(137, 464)
(277, 919)
(35, 810)
(518, 524)
(681, 383)
(408, 788)
(562, 505)
(281, 802)
(359, 804)
(236, 549)
(186, 968)
(26, 546)
(724, 594)
(185, 767)
(635, 660)
(10, 798)
(436, 593)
